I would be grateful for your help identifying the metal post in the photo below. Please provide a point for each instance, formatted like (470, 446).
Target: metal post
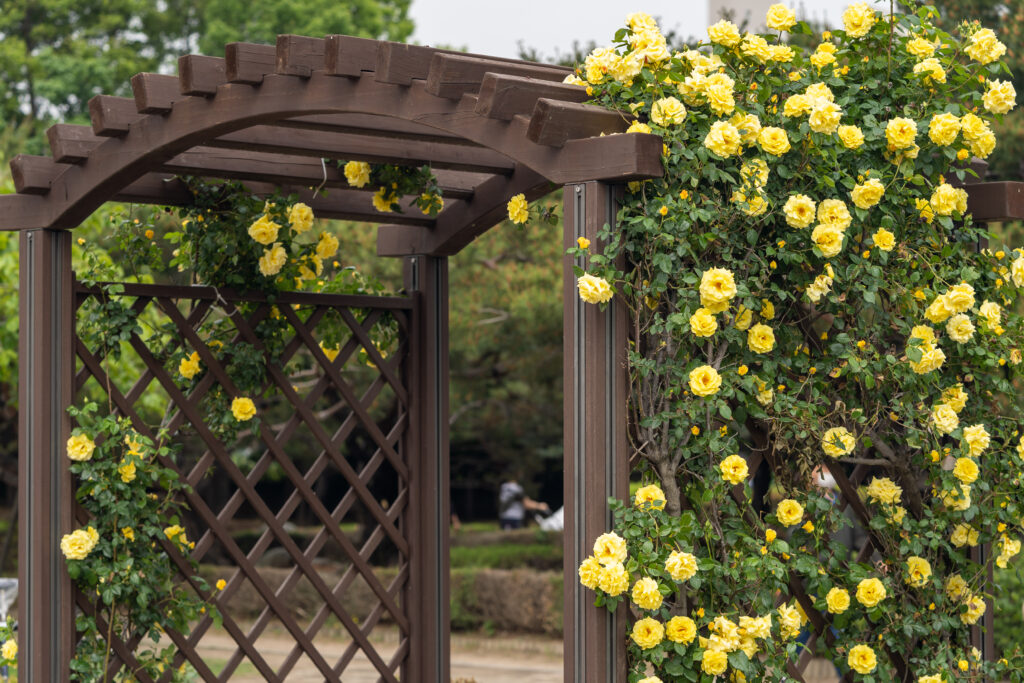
(46, 367)
(426, 595)
(596, 444)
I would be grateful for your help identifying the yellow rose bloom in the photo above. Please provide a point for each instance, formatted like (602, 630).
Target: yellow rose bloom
(920, 48)
(327, 246)
(870, 592)
(964, 534)
(614, 579)
(956, 587)
(975, 610)
(79, 543)
(946, 199)
(789, 621)
(9, 650)
(717, 288)
(958, 501)
(357, 173)
(884, 490)
(127, 471)
(862, 659)
(828, 238)
(767, 309)
(733, 469)
(637, 127)
(744, 316)
(858, 19)
(718, 91)
(264, 230)
(593, 289)
(943, 129)
(647, 633)
(823, 55)
(837, 600)
(681, 630)
(796, 105)
(723, 139)
(273, 260)
(944, 418)
(790, 512)
(518, 209)
(834, 212)
(985, 47)
(838, 442)
(960, 328)
(1017, 271)
(221, 584)
(868, 193)
(189, 366)
(724, 33)
(900, 132)
(825, 117)
(681, 566)
(1000, 97)
(760, 338)
(243, 409)
(645, 594)
(610, 548)
(780, 17)
(932, 70)
(703, 323)
(991, 312)
(705, 381)
(650, 496)
(714, 662)
(590, 572)
(799, 210)
(300, 217)
(774, 140)
(80, 447)
(978, 439)
(852, 137)
(1008, 549)
(128, 533)
(749, 127)
(668, 111)
(918, 571)
(884, 239)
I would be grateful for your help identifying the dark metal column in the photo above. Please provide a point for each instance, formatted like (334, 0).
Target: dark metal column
(426, 594)
(596, 445)
(46, 371)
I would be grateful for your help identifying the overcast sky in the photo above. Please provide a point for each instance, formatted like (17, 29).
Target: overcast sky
(494, 28)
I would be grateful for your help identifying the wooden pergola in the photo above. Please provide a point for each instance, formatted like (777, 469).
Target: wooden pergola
(271, 117)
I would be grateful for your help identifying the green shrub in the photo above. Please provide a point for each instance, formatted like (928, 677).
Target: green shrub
(535, 556)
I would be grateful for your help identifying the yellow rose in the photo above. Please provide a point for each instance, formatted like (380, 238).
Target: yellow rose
(749, 127)
(681, 566)
(647, 633)
(858, 19)
(9, 651)
(838, 442)
(884, 239)
(977, 439)
(646, 594)
(681, 630)
(946, 199)
(754, 173)
(273, 260)
(991, 312)
(1008, 549)
(945, 418)
(733, 469)
(189, 366)
(852, 137)
(828, 238)
(327, 246)
(717, 288)
(357, 173)
(956, 587)
(79, 543)
(593, 289)
(918, 571)
(703, 323)
(518, 209)
(799, 210)
(614, 579)
(717, 89)
(774, 140)
(943, 129)
(862, 659)
(824, 55)
(128, 533)
(80, 447)
(834, 212)
(300, 217)
(724, 33)
(264, 230)
(920, 48)
(668, 111)
(975, 610)
(900, 132)
(797, 105)
(780, 17)
(127, 471)
(985, 47)
(744, 316)
(960, 328)
(705, 381)
(958, 501)
(760, 338)
(955, 396)
(870, 592)
(938, 310)
(714, 662)
(789, 512)
(1017, 271)
(867, 194)
(884, 490)
(650, 496)
(637, 127)
(838, 600)
(610, 548)
(789, 621)
(243, 408)
(932, 70)
(1000, 97)
(723, 139)
(825, 117)
(936, 678)
(964, 534)
(767, 309)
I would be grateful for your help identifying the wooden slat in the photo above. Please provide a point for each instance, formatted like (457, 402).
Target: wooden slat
(34, 174)
(111, 116)
(201, 75)
(401, 64)
(503, 96)
(993, 202)
(454, 75)
(370, 124)
(349, 56)
(155, 93)
(70, 144)
(249, 62)
(299, 55)
(554, 123)
(23, 212)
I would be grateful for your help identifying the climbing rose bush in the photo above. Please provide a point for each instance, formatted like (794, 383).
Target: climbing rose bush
(808, 294)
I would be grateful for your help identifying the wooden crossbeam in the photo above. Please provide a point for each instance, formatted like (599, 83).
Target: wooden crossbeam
(554, 122)
(503, 96)
(995, 202)
(370, 124)
(111, 116)
(33, 174)
(453, 75)
(201, 75)
(299, 55)
(401, 64)
(248, 62)
(349, 56)
(70, 144)
(155, 93)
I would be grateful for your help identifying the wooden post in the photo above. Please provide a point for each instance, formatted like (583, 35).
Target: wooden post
(46, 367)
(426, 594)
(596, 444)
